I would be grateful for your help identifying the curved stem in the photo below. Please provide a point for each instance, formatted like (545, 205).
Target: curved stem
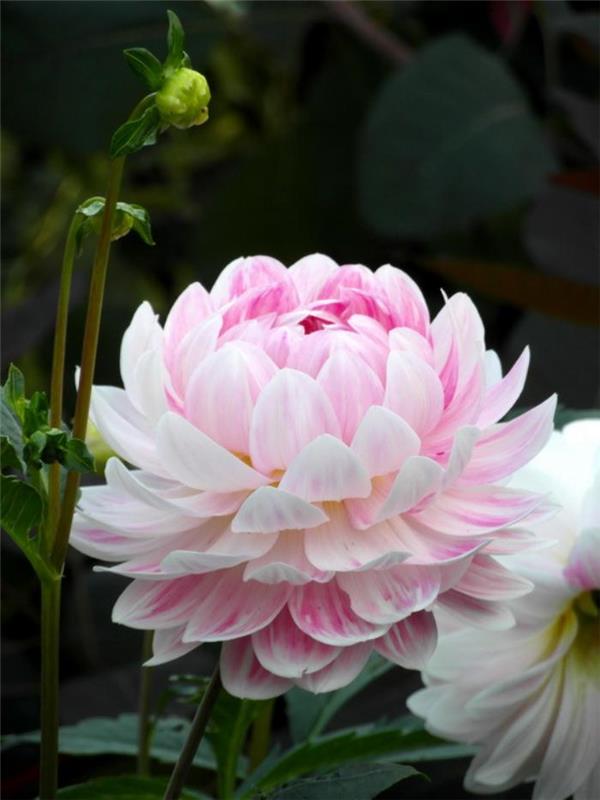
(184, 762)
(144, 716)
(88, 357)
(57, 378)
(49, 687)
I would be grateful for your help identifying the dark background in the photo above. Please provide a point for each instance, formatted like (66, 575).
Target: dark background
(456, 140)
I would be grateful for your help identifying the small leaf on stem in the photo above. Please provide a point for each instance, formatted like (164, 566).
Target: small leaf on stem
(146, 66)
(136, 133)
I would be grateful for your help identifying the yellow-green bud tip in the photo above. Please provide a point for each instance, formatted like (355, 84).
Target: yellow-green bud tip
(184, 98)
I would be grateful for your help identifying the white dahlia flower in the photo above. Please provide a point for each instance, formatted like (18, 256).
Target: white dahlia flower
(530, 696)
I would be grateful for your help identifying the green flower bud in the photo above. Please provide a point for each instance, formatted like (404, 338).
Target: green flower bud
(184, 98)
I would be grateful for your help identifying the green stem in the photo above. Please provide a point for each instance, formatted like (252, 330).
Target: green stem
(199, 723)
(88, 357)
(144, 716)
(49, 687)
(260, 738)
(58, 370)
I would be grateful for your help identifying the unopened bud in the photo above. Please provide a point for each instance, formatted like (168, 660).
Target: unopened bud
(183, 99)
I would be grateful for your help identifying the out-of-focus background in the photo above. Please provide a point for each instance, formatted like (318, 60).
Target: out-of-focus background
(458, 140)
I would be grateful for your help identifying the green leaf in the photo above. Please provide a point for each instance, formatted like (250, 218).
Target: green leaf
(8, 456)
(564, 415)
(92, 206)
(308, 713)
(146, 66)
(14, 388)
(119, 736)
(21, 510)
(77, 457)
(449, 139)
(175, 38)
(358, 782)
(136, 133)
(230, 720)
(12, 435)
(125, 787)
(141, 220)
(36, 413)
(404, 741)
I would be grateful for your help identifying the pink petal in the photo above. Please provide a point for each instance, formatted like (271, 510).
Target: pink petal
(322, 611)
(231, 608)
(195, 460)
(143, 334)
(286, 562)
(268, 510)
(343, 670)
(473, 611)
(487, 579)
(386, 596)
(228, 549)
(383, 441)
(243, 676)
(502, 396)
(405, 298)
(505, 447)
(326, 469)
(290, 412)
(410, 643)
(340, 371)
(364, 512)
(191, 308)
(337, 546)
(418, 479)
(583, 569)
(245, 274)
(152, 605)
(413, 391)
(191, 351)
(167, 645)
(221, 393)
(473, 510)
(310, 273)
(285, 650)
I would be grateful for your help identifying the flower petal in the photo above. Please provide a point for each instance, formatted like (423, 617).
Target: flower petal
(285, 650)
(583, 569)
(501, 396)
(290, 412)
(413, 391)
(286, 562)
(194, 459)
(326, 469)
(383, 441)
(340, 672)
(244, 677)
(419, 478)
(167, 645)
(322, 611)
(410, 642)
(268, 510)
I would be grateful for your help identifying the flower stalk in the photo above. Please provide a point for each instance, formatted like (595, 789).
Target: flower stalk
(199, 723)
(51, 587)
(144, 715)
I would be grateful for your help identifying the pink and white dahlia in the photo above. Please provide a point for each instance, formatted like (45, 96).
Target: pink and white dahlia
(531, 697)
(316, 464)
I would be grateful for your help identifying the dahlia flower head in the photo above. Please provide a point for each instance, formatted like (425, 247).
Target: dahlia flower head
(316, 465)
(531, 697)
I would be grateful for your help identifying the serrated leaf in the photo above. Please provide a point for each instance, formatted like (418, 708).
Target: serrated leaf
(77, 457)
(175, 38)
(141, 220)
(119, 736)
(136, 133)
(21, 509)
(448, 140)
(308, 713)
(124, 787)
(405, 741)
(146, 66)
(356, 782)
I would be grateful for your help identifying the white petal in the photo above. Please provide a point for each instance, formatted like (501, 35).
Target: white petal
(268, 510)
(383, 441)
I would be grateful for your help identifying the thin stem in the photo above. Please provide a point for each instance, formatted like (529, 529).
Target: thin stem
(88, 357)
(58, 370)
(380, 39)
(184, 762)
(260, 738)
(49, 687)
(144, 716)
